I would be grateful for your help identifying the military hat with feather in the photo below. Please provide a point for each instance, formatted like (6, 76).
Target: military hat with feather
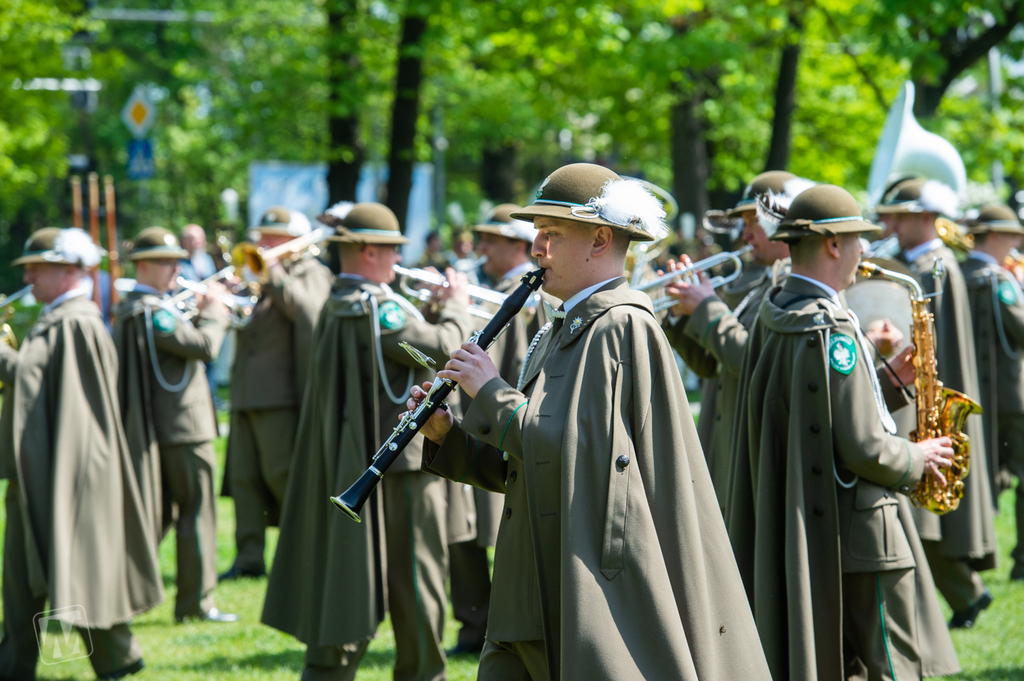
(55, 246)
(919, 195)
(363, 223)
(593, 195)
(822, 210)
(156, 243)
(499, 221)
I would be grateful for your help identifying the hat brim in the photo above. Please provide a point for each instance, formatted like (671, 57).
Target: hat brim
(845, 227)
(999, 229)
(159, 254)
(496, 231)
(900, 208)
(345, 236)
(275, 230)
(41, 259)
(740, 210)
(534, 211)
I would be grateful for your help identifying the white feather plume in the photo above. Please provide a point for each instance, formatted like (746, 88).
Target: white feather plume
(298, 224)
(791, 189)
(74, 245)
(937, 197)
(340, 209)
(771, 211)
(625, 202)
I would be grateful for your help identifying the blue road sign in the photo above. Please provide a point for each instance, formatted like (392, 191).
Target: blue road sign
(140, 159)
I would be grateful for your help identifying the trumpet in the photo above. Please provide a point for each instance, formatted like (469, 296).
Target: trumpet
(249, 256)
(7, 336)
(479, 293)
(240, 306)
(954, 235)
(665, 302)
(888, 247)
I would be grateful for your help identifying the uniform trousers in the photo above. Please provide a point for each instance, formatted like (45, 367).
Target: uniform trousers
(187, 473)
(1011, 458)
(471, 590)
(260, 453)
(112, 649)
(517, 661)
(414, 524)
(955, 579)
(880, 626)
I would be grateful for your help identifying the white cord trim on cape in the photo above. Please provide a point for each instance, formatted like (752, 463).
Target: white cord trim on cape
(998, 312)
(533, 346)
(151, 342)
(380, 356)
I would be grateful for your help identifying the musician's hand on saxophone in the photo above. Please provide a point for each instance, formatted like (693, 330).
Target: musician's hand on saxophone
(471, 367)
(903, 366)
(690, 291)
(440, 422)
(884, 336)
(938, 453)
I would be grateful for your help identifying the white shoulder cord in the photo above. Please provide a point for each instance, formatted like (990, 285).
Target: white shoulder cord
(533, 346)
(998, 312)
(186, 377)
(380, 356)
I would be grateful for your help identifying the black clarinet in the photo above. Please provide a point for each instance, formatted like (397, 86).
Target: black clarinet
(351, 500)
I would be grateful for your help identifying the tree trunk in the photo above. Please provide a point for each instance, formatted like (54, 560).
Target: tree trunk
(498, 173)
(406, 109)
(690, 167)
(345, 155)
(785, 101)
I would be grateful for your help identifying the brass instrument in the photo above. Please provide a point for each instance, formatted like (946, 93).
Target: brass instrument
(888, 247)
(248, 256)
(479, 293)
(941, 411)
(240, 306)
(954, 236)
(7, 336)
(1014, 262)
(665, 302)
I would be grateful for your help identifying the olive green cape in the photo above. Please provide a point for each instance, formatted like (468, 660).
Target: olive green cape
(89, 542)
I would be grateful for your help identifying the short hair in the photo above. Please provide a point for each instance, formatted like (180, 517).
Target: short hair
(803, 251)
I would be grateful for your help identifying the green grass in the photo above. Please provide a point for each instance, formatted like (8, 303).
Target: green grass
(992, 651)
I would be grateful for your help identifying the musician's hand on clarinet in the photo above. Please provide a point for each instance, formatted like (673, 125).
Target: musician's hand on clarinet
(440, 422)
(938, 453)
(471, 367)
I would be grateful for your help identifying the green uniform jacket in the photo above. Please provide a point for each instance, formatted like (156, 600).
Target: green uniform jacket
(272, 355)
(508, 353)
(152, 414)
(997, 309)
(88, 541)
(610, 549)
(328, 585)
(715, 334)
(801, 427)
(967, 532)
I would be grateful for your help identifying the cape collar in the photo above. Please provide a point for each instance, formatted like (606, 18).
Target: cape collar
(611, 294)
(799, 306)
(71, 307)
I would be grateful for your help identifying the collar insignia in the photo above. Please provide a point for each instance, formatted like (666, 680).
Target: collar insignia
(575, 324)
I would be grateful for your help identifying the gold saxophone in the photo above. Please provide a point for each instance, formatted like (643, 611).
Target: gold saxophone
(940, 411)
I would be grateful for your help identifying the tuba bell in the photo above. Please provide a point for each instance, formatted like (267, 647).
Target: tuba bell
(906, 149)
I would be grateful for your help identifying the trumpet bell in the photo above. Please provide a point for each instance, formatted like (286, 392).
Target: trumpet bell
(7, 338)
(905, 148)
(248, 255)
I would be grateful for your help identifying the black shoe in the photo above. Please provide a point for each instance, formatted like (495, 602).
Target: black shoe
(463, 649)
(965, 619)
(235, 573)
(133, 668)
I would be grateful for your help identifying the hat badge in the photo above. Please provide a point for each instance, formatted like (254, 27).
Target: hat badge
(169, 239)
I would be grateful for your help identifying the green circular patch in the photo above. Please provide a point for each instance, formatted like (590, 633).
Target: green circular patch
(391, 315)
(1007, 293)
(842, 353)
(164, 322)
